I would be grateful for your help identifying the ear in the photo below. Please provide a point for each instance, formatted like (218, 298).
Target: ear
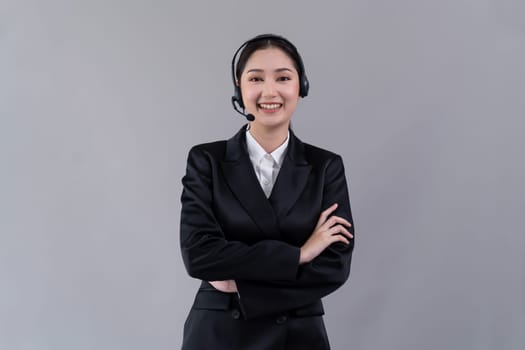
(237, 82)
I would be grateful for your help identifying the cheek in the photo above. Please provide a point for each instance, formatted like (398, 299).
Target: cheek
(292, 97)
(249, 95)
(292, 92)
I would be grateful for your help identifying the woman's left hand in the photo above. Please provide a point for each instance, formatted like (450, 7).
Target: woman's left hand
(228, 286)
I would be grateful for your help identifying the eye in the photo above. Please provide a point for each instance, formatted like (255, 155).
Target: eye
(283, 78)
(255, 79)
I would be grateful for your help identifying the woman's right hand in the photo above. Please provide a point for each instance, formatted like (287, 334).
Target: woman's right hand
(228, 286)
(329, 229)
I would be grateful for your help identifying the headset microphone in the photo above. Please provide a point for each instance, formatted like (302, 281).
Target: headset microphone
(235, 103)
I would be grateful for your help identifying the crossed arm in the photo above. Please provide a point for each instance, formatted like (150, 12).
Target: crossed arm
(270, 276)
(329, 229)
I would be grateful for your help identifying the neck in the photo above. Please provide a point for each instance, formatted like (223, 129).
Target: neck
(269, 138)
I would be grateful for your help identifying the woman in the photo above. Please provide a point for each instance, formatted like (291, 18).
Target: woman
(266, 222)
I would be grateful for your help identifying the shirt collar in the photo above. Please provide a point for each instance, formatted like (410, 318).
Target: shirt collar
(256, 152)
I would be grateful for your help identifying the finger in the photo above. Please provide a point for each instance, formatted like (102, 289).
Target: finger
(324, 215)
(346, 233)
(328, 211)
(216, 285)
(338, 220)
(344, 240)
(339, 238)
(340, 229)
(334, 221)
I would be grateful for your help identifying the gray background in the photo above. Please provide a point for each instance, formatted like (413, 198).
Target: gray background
(101, 100)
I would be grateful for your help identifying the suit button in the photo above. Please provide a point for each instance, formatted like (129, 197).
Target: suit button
(281, 319)
(236, 314)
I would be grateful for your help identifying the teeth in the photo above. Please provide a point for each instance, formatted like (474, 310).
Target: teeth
(270, 106)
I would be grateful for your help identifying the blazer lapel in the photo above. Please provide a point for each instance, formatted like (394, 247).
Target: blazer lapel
(240, 176)
(292, 178)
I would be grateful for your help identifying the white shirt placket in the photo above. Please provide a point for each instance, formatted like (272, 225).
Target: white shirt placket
(266, 169)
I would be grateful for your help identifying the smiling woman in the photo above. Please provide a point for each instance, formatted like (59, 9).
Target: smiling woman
(266, 221)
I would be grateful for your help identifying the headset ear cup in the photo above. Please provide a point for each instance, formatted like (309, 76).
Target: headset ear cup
(237, 96)
(304, 86)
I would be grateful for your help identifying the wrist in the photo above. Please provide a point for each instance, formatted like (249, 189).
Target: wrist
(303, 257)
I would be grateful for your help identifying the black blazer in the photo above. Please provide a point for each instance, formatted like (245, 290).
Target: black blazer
(230, 230)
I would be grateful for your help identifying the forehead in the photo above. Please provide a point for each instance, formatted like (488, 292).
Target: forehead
(269, 58)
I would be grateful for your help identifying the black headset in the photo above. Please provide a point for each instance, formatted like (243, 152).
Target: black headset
(304, 85)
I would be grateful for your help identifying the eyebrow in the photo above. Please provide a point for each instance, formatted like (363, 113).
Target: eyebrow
(256, 70)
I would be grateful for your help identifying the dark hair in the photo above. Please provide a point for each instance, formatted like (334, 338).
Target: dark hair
(265, 43)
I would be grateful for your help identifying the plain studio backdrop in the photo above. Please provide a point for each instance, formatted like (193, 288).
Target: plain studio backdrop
(100, 102)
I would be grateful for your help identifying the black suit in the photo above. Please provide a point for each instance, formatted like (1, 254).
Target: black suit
(230, 230)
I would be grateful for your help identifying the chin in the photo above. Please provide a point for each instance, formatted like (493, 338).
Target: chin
(269, 122)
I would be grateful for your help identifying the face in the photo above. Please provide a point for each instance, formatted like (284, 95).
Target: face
(270, 87)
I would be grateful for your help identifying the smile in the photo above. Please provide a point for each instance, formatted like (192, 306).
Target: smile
(269, 106)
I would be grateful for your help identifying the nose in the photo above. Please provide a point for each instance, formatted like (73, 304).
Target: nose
(269, 89)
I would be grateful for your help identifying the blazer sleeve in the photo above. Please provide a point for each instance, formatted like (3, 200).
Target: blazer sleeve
(314, 280)
(206, 253)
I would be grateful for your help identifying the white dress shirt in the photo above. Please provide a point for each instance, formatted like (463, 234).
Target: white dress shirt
(266, 165)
